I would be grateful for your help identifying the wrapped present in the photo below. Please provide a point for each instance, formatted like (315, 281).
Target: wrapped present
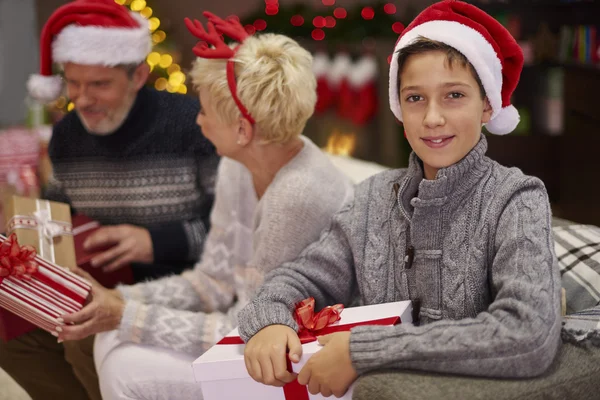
(19, 158)
(222, 374)
(45, 225)
(35, 290)
(83, 227)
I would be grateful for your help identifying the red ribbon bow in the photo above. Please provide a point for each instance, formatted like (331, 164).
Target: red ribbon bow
(15, 260)
(310, 324)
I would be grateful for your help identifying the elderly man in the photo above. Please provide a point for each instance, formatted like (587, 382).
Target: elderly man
(128, 156)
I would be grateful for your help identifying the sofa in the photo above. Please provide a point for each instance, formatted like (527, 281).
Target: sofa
(576, 370)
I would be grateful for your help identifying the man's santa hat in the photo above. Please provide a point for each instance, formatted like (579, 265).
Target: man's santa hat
(489, 47)
(89, 32)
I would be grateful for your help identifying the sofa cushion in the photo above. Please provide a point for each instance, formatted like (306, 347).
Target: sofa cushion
(573, 375)
(578, 252)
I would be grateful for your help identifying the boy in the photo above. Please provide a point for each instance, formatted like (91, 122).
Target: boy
(466, 239)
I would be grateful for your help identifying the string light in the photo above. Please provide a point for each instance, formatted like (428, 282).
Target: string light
(137, 5)
(368, 13)
(340, 13)
(397, 27)
(165, 61)
(271, 9)
(319, 22)
(159, 36)
(153, 58)
(297, 20)
(154, 23)
(161, 84)
(389, 8)
(260, 24)
(328, 2)
(146, 12)
(173, 68)
(177, 79)
(318, 34)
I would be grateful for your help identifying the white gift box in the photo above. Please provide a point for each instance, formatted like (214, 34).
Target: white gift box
(222, 374)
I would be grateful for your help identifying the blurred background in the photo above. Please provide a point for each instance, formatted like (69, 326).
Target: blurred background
(558, 96)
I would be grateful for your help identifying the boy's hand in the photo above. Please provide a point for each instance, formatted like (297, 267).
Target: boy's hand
(330, 371)
(265, 355)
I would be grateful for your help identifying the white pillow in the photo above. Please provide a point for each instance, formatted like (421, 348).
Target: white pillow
(357, 170)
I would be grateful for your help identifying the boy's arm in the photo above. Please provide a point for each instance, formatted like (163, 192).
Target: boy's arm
(516, 337)
(324, 270)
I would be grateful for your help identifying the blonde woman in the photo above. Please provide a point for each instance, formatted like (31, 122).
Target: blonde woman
(276, 191)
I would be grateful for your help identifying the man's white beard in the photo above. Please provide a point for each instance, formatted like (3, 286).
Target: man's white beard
(108, 127)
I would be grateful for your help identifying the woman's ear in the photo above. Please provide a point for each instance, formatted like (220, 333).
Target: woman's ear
(487, 111)
(246, 132)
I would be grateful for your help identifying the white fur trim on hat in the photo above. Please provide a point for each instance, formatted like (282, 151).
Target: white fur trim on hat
(44, 88)
(108, 46)
(340, 67)
(505, 122)
(471, 44)
(363, 71)
(321, 64)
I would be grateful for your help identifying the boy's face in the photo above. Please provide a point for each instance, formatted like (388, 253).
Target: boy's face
(442, 110)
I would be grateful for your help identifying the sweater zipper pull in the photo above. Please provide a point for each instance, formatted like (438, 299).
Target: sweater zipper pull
(409, 257)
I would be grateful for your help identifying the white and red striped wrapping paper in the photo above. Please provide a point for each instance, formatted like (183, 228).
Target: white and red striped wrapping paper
(51, 292)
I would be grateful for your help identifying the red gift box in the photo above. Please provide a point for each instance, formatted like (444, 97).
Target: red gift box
(35, 291)
(83, 227)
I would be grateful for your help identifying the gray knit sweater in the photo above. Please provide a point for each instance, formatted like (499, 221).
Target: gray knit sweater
(473, 248)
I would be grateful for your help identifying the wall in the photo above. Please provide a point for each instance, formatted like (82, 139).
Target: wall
(18, 57)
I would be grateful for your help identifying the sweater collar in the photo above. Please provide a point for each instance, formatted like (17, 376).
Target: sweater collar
(450, 181)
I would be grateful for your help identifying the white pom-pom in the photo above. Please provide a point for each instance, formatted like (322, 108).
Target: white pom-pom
(505, 122)
(321, 64)
(44, 88)
(363, 71)
(339, 68)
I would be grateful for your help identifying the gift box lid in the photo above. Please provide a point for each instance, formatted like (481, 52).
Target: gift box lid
(226, 361)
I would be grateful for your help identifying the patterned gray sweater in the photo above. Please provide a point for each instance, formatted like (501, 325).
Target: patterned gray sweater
(473, 248)
(248, 238)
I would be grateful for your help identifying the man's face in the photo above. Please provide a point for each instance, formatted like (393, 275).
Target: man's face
(103, 96)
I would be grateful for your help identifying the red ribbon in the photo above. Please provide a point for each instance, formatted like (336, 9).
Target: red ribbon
(15, 260)
(312, 326)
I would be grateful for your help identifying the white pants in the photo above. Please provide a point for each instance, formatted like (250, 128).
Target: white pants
(130, 371)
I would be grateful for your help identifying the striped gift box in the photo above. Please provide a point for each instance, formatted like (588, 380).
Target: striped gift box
(43, 296)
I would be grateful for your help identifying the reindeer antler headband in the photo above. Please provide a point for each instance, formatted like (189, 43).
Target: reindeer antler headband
(216, 27)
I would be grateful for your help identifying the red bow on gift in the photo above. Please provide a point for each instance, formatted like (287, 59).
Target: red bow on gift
(309, 323)
(17, 260)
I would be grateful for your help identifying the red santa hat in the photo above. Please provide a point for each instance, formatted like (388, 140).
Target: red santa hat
(489, 47)
(90, 32)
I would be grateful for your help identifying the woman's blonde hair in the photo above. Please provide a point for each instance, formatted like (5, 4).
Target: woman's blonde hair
(275, 83)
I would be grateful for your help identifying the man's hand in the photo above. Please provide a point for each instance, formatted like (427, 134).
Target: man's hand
(129, 244)
(330, 371)
(103, 312)
(265, 355)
